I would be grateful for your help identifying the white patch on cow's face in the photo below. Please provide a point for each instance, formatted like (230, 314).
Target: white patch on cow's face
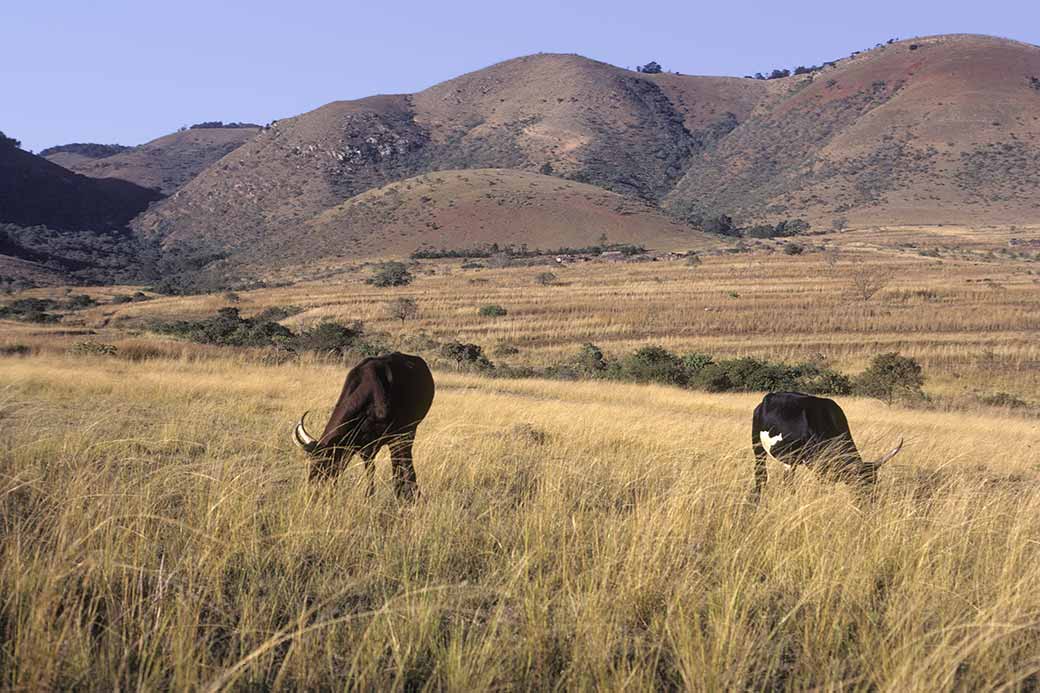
(769, 441)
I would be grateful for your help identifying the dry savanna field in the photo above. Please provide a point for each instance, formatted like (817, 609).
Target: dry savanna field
(156, 529)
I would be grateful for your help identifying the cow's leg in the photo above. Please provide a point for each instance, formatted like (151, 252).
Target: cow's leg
(761, 473)
(368, 457)
(405, 485)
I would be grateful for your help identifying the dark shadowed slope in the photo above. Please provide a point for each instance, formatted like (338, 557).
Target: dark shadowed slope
(58, 225)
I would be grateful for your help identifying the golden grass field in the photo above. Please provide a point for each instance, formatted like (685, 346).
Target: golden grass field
(157, 531)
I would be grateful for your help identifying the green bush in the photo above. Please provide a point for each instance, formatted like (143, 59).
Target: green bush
(329, 337)
(31, 310)
(466, 356)
(891, 376)
(228, 328)
(277, 313)
(590, 360)
(755, 375)
(390, 274)
(653, 364)
(695, 362)
(492, 311)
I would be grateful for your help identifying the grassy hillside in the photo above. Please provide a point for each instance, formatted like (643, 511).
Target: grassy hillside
(165, 163)
(934, 130)
(570, 535)
(963, 303)
(464, 210)
(555, 114)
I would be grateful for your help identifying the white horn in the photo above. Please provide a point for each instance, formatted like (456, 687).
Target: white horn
(889, 455)
(302, 438)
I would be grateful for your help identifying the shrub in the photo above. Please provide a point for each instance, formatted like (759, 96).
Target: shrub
(390, 274)
(402, 309)
(92, 348)
(122, 298)
(466, 356)
(793, 249)
(228, 328)
(692, 259)
(590, 360)
(492, 311)
(276, 313)
(78, 302)
(694, 363)
(891, 376)
(754, 375)
(9, 142)
(15, 350)
(330, 338)
(546, 278)
(232, 297)
(31, 310)
(653, 364)
(1003, 399)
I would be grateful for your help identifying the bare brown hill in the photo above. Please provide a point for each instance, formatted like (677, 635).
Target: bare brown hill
(165, 163)
(459, 210)
(942, 129)
(931, 130)
(559, 114)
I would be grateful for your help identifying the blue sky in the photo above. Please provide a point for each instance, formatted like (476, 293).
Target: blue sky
(126, 72)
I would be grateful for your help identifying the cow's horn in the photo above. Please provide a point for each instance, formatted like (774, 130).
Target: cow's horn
(302, 438)
(889, 455)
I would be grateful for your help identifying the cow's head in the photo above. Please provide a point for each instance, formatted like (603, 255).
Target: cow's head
(868, 469)
(327, 454)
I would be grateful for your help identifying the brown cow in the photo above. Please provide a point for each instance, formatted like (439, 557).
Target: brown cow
(384, 400)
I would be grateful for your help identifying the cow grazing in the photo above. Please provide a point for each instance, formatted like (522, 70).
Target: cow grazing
(384, 399)
(795, 429)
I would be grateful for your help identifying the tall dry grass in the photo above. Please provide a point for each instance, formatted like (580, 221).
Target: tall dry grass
(156, 531)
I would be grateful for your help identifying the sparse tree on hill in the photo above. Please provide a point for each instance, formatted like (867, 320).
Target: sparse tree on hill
(867, 281)
(402, 309)
(6, 141)
(651, 68)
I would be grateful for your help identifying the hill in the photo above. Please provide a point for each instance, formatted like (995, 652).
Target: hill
(556, 114)
(76, 153)
(56, 224)
(461, 210)
(165, 163)
(930, 130)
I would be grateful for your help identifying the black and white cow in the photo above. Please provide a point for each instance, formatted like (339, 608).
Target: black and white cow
(795, 429)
